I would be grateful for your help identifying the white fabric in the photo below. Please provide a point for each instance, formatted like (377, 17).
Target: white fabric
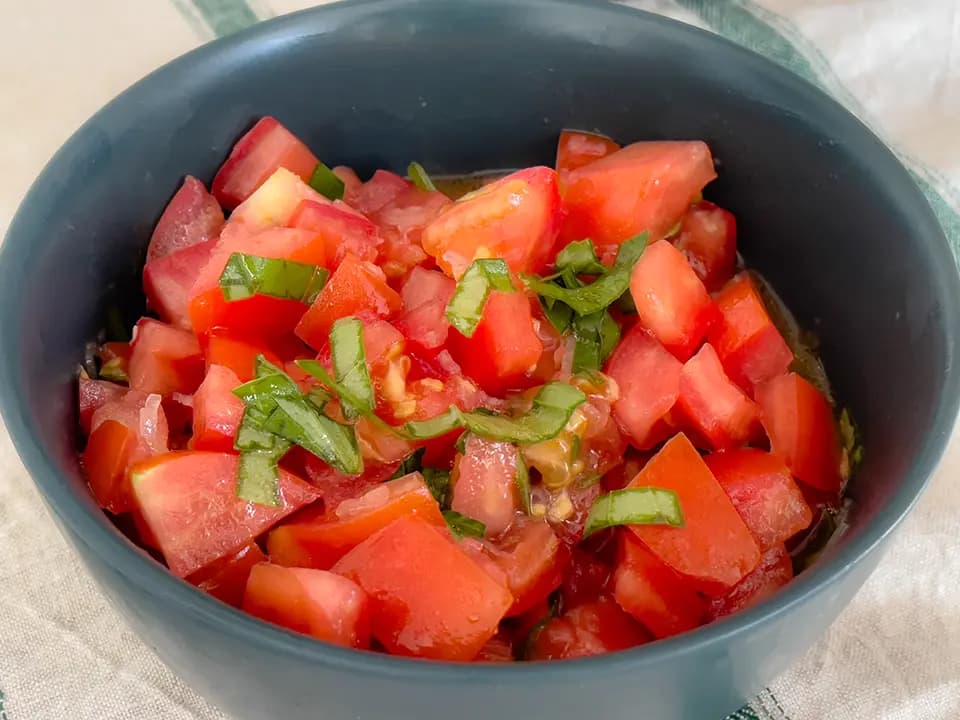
(64, 653)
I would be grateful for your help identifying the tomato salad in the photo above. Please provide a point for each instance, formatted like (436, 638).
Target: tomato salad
(551, 418)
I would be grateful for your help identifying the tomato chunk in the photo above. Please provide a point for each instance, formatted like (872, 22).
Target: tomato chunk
(226, 578)
(238, 355)
(499, 648)
(428, 599)
(532, 560)
(714, 549)
(590, 629)
(485, 483)
(671, 301)
(372, 195)
(192, 216)
(217, 412)
(274, 203)
(256, 156)
(774, 571)
(653, 592)
(649, 380)
(164, 359)
(745, 338)
(504, 349)
(799, 421)
(425, 295)
(716, 408)
(343, 232)
(168, 280)
(320, 544)
(515, 218)
(708, 239)
(586, 578)
(763, 492)
(189, 502)
(576, 149)
(355, 287)
(643, 186)
(313, 602)
(92, 395)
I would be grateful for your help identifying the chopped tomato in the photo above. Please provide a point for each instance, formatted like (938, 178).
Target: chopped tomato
(168, 280)
(191, 217)
(504, 349)
(93, 394)
(745, 338)
(335, 486)
(763, 492)
(164, 359)
(372, 195)
(586, 578)
(274, 203)
(590, 629)
(499, 648)
(671, 301)
(236, 354)
(485, 483)
(226, 578)
(715, 408)
(428, 599)
(256, 156)
(355, 287)
(774, 571)
(189, 502)
(217, 412)
(401, 221)
(313, 602)
(425, 295)
(799, 421)
(648, 377)
(343, 232)
(576, 149)
(348, 177)
(515, 218)
(646, 186)
(321, 543)
(708, 239)
(693, 550)
(653, 592)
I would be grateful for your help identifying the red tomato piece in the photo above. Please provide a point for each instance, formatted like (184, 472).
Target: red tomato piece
(644, 186)
(576, 149)
(236, 354)
(343, 232)
(708, 239)
(313, 602)
(586, 579)
(226, 578)
(763, 492)
(402, 221)
(428, 599)
(774, 571)
(716, 408)
(354, 288)
(93, 394)
(256, 156)
(533, 561)
(499, 648)
(275, 202)
(192, 216)
(504, 349)
(745, 338)
(168, 280)
(164, 359)
(714, 549)
(333, 485)
(348, 176)
(648, 377)
(485, 483)
(425, 295)
(799, 421)
(653, 592)
(589, 629)
(671, 301)
(372, 195)
(217, 412)
(320, 544)
(515, 218)
(189, 502)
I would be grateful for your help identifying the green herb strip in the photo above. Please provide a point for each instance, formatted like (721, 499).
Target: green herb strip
(474, 287)
(634, 506)
(325, 182)
(247, 275)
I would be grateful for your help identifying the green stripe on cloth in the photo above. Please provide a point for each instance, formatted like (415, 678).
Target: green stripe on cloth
(3, 709)
(218, 18)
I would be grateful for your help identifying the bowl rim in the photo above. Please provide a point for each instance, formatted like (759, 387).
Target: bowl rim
(93, 528)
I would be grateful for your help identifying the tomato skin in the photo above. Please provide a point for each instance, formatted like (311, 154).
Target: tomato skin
(746, 340)
(372, 195)
(708, 239)
(217, 412)
(226, 578)
(653, 592)
(425, 295)
(589, 629)
(504, 349)
(576, 149)
(774, 571)
(763, 491)
(192, 216)
(799, 421)
(321, 543)
(314, 602)
(92, 395)
(643, 186)
(711, 565)
(168, 280)
(648, 377)
(671, 301)
(485, 483)
(428, 599)
(164, 359)
(515, 218)
(268, 145)
(355, 287)
(236, 354)
(715, 408)
(188, 501)
(342, 231)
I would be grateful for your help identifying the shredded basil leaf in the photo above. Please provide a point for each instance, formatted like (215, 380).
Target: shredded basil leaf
(474, 287)
(302, 424)
(439, 483)
(634, 506)
(462, 526)
(435, 427)
(350, 364)
(596, 337)
(523, 483)
(246, 275)
(325, 182)
(552, 407)
(418, 176)
(581, 258)
(559, 314)
(114, 371)
(257, 475)
(411, 463)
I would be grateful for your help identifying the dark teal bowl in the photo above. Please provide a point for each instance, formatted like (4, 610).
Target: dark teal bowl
(825, 211)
